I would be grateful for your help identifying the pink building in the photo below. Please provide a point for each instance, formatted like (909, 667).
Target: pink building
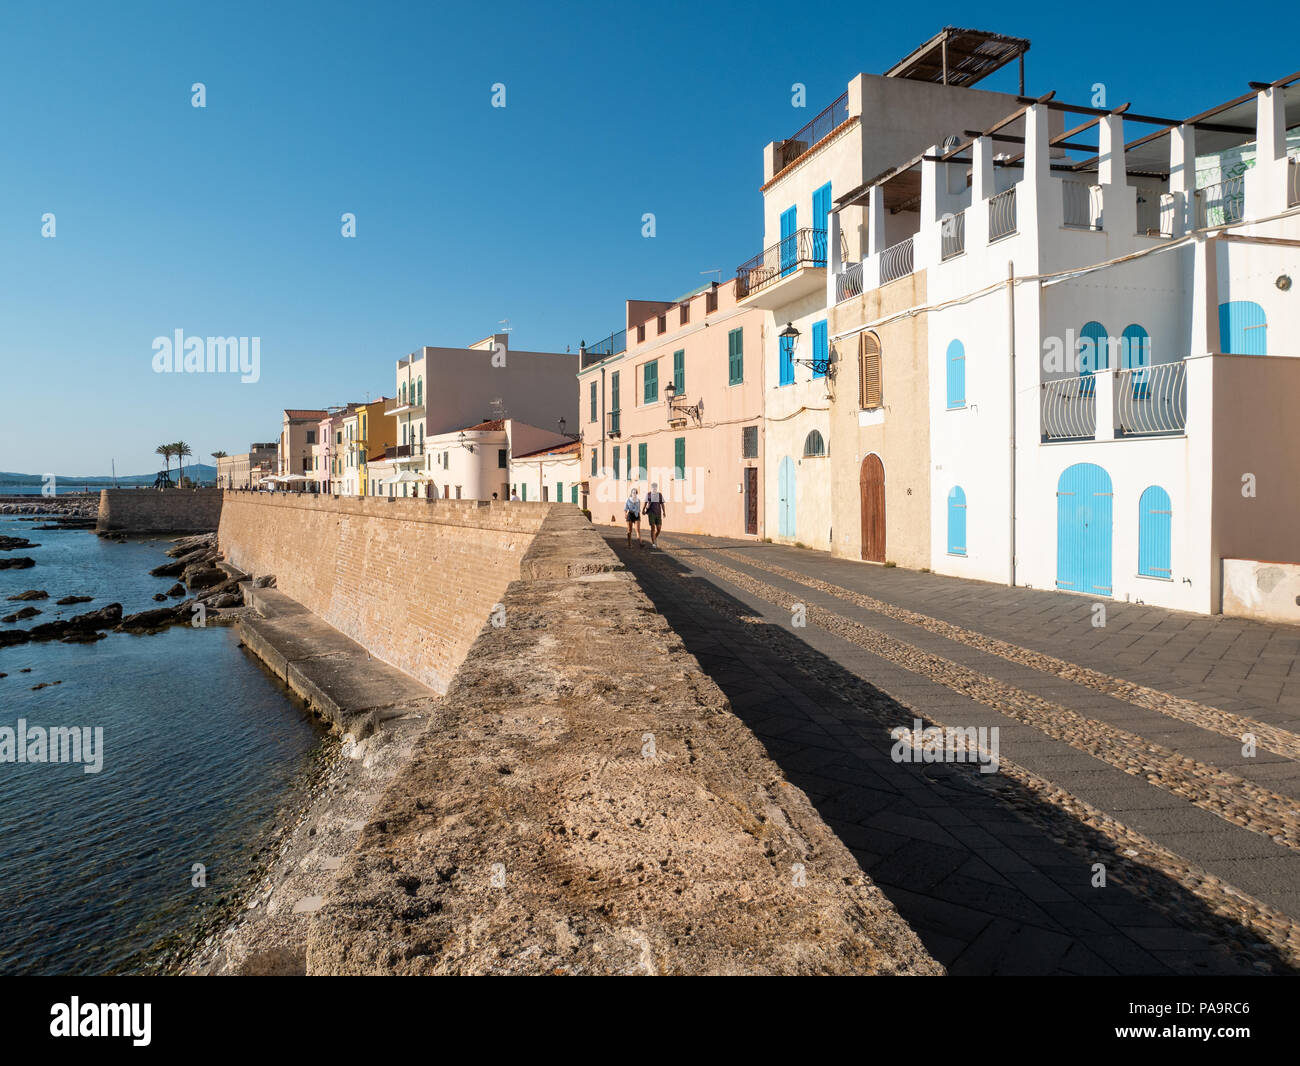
(677, 400)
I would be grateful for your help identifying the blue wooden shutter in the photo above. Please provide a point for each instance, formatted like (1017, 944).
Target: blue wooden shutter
(957, 521)
(1094, 355)
(820, 347)
(1135, 346)
(1243, 329)
(1155, 526)
(821, 209)
(787, 361)
(789, 240)
(956, 375)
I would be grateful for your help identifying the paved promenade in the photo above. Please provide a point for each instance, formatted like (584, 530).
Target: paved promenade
(1120, 748)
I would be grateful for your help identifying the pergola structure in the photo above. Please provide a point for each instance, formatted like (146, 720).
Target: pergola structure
(955, 56)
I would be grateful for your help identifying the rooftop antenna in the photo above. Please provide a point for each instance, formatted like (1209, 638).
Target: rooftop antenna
(498, 408)
(715, 270)
(505, 325)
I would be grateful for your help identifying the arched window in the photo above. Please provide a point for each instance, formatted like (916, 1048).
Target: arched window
(956, 375)
(402, 394)
(956, 521)
(868, 371)
(1155, 522)
(1135, 353)
(419, 391)
(1094, 355)
(814, 445)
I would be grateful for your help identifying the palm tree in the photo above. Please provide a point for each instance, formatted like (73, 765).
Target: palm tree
(166, 451)
(218, 456)
(180, 449)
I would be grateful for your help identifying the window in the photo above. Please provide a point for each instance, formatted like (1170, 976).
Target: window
(641, 464)
(820, 347)
(311, 436)
(956, 521)
(404, 428)
(401, 393)
(501, 458)
(868, 371)
(1094, 355)
(749, 442)
(573, 493)
(650, 378)
(629, 462)
(736, 356)
(559, 492)
(679, 458)
(679, 372)
(1155, 522)
(956, 375)
(1243, 329)
(684, 313)
(663, 324)
(814, 445)
(419, 391)
(523, 492)
(617, 453)
(613, 392)
(711, 299)
(640, 333)
(787, 361)
(1135, 351)
(591, 403)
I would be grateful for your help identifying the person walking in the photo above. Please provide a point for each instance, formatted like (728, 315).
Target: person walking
(632, 512)
(655, 509)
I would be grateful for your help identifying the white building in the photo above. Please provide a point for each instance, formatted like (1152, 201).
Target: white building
(877, 121)
(1113, 349)
(550, 474)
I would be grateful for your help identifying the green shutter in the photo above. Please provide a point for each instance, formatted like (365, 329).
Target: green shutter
(679, 458)
(559, 492)
(641, 463)
(650, 375)
(629, 462)
(573, 493)
(616, 455)
(679, 371)
(736, 356)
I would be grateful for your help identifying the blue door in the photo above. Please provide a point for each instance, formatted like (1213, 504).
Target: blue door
(786, 498)
(1243, 330)
(957, 521)
(1155, 524)
(789, 240)
(1083, 530)
(821, 213)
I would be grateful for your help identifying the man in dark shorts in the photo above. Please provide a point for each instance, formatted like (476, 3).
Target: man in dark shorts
(655, 511)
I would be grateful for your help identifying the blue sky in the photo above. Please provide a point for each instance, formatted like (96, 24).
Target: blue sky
(226, 220)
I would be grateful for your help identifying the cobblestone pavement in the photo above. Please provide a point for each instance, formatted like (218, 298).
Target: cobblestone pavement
(1120, 745)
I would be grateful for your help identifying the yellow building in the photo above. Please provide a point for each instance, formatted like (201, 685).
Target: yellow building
(378, 433)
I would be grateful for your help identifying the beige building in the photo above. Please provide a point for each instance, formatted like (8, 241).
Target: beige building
(244, 471)
(295, 450)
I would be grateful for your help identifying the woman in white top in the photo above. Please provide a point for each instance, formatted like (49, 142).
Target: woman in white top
(632, 512)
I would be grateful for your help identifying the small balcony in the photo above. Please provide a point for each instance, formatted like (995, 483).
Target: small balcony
(790, 269)
(816, 131)
(612, 424)
(1082, 205)
(952, 236)
(410, 409)
(1068, 409)
(591, 354)
(1002, 215)
(1151, 401)
(404, 451)
(848, 282)
(1221, 204)
(1138, 402)
(896, 261)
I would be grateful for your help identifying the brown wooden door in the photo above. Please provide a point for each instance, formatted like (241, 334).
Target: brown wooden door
(751, 499)
(872, 484)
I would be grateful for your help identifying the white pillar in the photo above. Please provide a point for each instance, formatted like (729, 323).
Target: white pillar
(1265, 185)
(875, 237)
(833, 256)
(926, 244)
(982, 187)
(1104, 387)
(1039, 196)
(1118, 198)
(1182, 178)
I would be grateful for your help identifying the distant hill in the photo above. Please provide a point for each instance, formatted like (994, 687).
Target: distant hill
(196, 472)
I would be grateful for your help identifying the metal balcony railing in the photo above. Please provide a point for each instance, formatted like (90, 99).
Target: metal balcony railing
(1082, 204)
(896, 261)
(1068, 409)
(1155, 213)
(803, 248)
(1218, 205)
(612, 424)
(1151, 400)
(952, 235)
(1002, 215)
(816, 130)
(848, 282)
(594, 353)
(403, 451)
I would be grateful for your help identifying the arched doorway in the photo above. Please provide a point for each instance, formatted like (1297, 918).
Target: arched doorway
(1083, 530)
(786, 498)
(871, 482)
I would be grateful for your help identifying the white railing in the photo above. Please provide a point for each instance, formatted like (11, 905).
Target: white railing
(1155, 213)
(1218, 205)
(848, 282)
(1293, 183)
(952, 231)
(896, 261)
(1002, 215)
(1068, 409)
(1082, 203)
(1151, 399)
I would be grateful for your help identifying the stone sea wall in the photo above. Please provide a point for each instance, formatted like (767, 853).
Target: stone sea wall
(153, 511)
(411, 580)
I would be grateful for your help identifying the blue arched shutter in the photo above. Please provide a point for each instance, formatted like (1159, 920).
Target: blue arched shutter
(1135, 346)
(1094, 355)
(1243, 329)
(1155, 524)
